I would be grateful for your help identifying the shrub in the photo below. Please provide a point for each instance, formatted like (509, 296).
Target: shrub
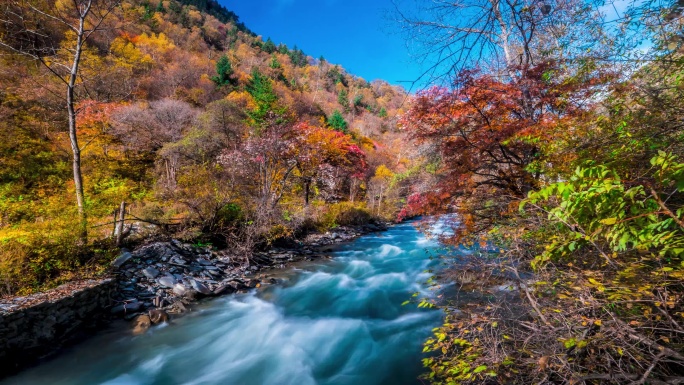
(345, 214)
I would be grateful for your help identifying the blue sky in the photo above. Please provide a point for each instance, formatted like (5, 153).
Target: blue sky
(357, 34)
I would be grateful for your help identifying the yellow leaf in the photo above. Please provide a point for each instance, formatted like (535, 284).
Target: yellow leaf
(609, 221)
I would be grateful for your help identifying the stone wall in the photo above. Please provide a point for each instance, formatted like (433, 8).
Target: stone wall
(31, 332)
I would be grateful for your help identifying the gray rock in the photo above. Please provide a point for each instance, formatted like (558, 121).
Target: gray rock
(178, 261)
(150, 272)
(179, 289)
(122, 259)
(200, 287)
(204, 262)
(167, 281)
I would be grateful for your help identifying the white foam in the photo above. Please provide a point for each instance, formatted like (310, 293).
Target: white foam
(388, 281)
(358, 268)
(387, 250)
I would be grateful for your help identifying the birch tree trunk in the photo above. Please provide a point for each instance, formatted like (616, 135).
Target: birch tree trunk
(73, 137)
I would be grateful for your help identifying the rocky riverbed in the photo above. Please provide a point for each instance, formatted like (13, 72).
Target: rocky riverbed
(160, 279)
(151, 284)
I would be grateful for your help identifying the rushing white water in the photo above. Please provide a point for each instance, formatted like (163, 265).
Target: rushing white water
(338, 322)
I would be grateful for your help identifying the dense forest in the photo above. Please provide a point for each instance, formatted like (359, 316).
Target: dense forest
(553, 136)
(204, 130)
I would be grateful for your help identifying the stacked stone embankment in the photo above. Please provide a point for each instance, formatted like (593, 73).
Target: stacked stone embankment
(35, 326)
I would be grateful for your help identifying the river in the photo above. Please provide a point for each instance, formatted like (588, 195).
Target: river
(333, 322)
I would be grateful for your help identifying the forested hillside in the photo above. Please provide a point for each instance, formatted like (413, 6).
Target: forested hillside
(204, 130)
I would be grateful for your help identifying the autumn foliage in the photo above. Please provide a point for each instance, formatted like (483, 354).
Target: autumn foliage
(207, 131)
(491, 136)
(567, 184)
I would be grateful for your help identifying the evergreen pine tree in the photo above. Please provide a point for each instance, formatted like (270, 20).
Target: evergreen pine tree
(223, 71)
(261, 90)
(275, 64)
(343, 98)
(269, 46)
(337, 122)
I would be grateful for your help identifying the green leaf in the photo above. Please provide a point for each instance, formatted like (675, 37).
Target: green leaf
(480, 368)
(569, 343)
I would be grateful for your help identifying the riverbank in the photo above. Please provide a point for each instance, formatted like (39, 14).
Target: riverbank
(152, 283)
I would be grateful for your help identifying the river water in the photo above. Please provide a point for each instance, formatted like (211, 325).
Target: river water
(332, 322)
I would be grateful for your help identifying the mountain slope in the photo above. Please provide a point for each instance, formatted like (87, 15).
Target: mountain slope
(203, 129)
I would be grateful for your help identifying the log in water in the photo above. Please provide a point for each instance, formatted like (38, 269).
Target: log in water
(336, 322)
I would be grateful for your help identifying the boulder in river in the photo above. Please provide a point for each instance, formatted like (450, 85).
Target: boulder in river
(158, 316)
(141, 323)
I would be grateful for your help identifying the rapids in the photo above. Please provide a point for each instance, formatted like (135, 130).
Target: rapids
(331, 322)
